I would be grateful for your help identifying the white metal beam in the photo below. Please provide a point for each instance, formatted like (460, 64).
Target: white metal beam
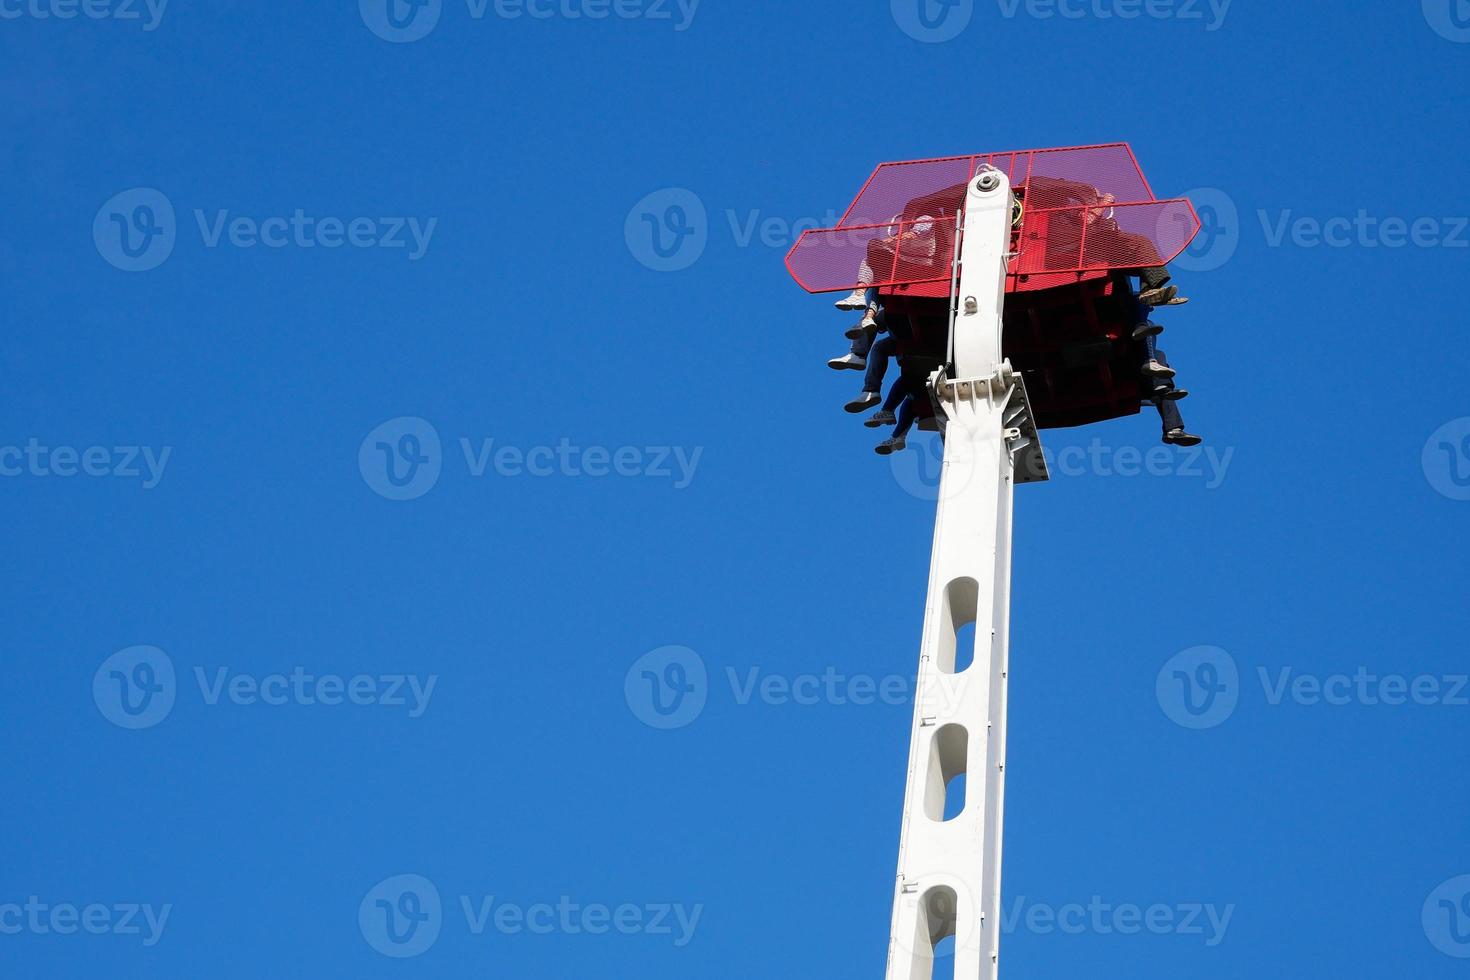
(949, 872)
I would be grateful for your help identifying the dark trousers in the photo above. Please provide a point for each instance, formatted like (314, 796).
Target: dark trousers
(1154, 278)
(878, 357)
(1168, 409)
(907, 412)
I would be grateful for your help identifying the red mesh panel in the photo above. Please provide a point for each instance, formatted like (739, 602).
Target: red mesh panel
(1087, 209)
(1052, 240)
(1111, 169)
(829, 259)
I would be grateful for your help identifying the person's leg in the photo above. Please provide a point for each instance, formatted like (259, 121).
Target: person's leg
(884, 416)
(1169, 414)
(856, 359)
(1152, 364)
(1154, 278)
(907, 412)
(1154, 288)
(878, 364)
(864, 295)
(873, 381)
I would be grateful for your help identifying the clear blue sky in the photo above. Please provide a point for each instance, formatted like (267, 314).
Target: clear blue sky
(1327, 538)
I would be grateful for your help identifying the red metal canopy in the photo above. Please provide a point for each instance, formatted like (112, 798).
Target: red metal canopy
(1086, 210)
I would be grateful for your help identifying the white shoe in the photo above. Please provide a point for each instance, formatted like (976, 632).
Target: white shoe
(857, 301)
(870, 319)
(848, 362)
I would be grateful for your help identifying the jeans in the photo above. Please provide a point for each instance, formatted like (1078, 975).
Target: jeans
(878, 357)
(1168, 410)
(907, 413)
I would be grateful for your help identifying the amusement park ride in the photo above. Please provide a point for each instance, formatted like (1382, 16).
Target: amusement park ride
(1023, 317)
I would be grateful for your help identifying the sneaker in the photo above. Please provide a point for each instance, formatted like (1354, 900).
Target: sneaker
(855, 331)
(848, 362)
(1178, 437)
(1159, 296)
(1176, 301)
(894, 445)
(863, 402)
(879, 419)
(857, 301)
(1149, 329)
(870, 319)
(1172, 394)
(1153, 369)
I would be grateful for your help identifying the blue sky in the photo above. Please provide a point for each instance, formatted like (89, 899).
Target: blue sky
(253, 680)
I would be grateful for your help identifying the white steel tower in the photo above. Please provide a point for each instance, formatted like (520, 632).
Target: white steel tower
(949, 870)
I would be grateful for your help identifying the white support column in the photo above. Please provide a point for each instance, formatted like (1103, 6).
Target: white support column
(949, 871)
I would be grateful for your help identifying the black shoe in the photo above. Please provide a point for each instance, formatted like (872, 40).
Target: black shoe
(894, 445)
(1178, 437)
(1159, 296)
(863, 402)
(879, 419)
(1149, 329)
